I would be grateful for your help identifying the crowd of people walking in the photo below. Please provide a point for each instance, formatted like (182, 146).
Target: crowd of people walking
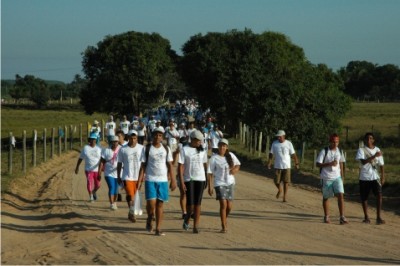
(186, 140)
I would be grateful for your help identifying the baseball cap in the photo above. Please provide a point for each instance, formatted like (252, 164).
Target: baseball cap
(196, 134)
(158, 129)
(280, 133)
(95, 122)
(115, 138)
(225, 141)
(93, 136)
(132, 132)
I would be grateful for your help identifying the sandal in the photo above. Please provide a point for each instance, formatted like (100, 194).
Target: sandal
(343, 220)
(159, 233)
(380, 221)
(327, 220)
(223, 231)
(131, 217)
(366, 221)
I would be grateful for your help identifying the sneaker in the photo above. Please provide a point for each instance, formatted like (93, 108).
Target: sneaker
(380, 221)
(343, 220)
(91, 198)
(183, 216)
(131, 217)
(185, 226)
(94, 196)
(195, 231)
(114, 206)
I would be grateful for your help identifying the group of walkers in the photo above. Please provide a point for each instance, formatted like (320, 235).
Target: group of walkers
(331, 161)
(200, 155)
(130, 164)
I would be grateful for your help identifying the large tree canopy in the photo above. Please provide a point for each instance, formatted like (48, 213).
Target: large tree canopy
(127, 72)
(265, 81)
(31, 87)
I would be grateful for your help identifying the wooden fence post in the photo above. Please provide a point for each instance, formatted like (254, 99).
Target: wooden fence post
(303, 151)
(267, 145)
(260, 144)
(71, 136)
(255, 141)
(250, 139)
(80, 134)
(44, 145)
(24, 151)
(315, 161)
(52, 142)
(244, 134)
(240, 131)
(59, 140)
(65, 138)
(34, 138)
(10, 155)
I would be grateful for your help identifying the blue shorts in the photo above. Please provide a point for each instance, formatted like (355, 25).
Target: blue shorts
(112, 185)
(156, 190)
(332, 187)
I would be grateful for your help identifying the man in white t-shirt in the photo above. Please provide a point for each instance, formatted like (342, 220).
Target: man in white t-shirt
(110, 129)
(172, 136)
(371, 159)
(91, 153)
(124, 125)
(215, 136)
(157, 167)
(330, 160)
(282, 151)
(129, 161)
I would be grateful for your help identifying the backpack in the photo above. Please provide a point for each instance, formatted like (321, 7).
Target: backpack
(326, 152)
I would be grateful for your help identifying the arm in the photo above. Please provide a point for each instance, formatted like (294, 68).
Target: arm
(78, 163)
(270, 157)
(102, 162)
(181, 169)
(119, 168)
(382, 175)
(171, 176)
(370, 159)
(141, 175)
(234, 169)
(296, 161)
(210, 187)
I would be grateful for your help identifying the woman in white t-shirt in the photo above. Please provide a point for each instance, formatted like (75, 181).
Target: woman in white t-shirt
(109, 162)
(192, 173)
(223, 165)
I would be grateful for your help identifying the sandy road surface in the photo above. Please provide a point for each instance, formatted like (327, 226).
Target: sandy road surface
(46, 219)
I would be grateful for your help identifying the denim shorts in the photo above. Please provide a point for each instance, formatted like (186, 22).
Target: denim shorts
(224, 192)
(332, 187)
(156, 190)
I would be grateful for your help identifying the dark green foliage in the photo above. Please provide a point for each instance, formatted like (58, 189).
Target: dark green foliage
(265, 81)
(366, 81)
(127, 72)
(31, 87)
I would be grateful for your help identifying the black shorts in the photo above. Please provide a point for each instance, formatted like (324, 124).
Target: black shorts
(194, 192)
(367, 186)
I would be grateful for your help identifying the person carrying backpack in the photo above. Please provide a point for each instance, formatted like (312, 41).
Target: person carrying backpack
(157, 167)
(331, 160)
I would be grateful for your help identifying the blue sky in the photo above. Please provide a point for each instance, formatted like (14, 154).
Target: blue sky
(45, 38)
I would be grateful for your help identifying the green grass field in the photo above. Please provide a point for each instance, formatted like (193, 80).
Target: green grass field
(382, 118)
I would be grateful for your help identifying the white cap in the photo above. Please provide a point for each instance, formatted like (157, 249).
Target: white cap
(196, 134)
(225, 141)
(158, 129)
(280, 133)
(132, 132)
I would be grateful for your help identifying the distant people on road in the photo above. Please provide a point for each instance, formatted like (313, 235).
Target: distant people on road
(192, 173)
(331, 160)
(96, 129)
(124, 125)
(109, 162)
(282, 151)
(110, 129)
(222, 167)
(215, 136)
(371, 159)
(158, 171)
(91, 153)
(172, 136)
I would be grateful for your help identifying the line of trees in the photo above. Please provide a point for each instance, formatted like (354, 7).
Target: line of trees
(263, 80)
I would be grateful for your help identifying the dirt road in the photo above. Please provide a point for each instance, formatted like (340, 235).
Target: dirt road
(47, 219)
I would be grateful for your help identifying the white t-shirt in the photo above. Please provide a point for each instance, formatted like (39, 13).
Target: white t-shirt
(110, 128)
(156, 169)
(219, 167)
(215, 137)
(282, 153)
(193, 162)
(151, 124)
(92, 156)
(131, 160)
(141, 131)
(124, 125)
(171, 135)
(330, 172)
(111, 158)
(369, 171)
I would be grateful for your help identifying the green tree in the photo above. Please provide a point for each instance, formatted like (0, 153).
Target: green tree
(265, 81)
(126, 72)
(33, 88)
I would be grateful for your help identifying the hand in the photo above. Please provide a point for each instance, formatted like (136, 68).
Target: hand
(99, 176)
(210, 190)
(172, 185)
(76, 171)
(297, 166)
(269, 165)
(334, 163)
(377, 154)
